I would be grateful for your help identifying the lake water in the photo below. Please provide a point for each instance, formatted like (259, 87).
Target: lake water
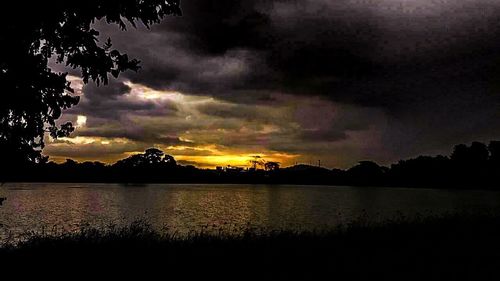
(182, 208)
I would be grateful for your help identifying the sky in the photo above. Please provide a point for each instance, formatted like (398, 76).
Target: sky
(296, 82)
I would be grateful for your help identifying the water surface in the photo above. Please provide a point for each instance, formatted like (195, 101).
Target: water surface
(183, 208)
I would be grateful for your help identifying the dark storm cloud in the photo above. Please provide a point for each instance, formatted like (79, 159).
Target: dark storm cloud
(133, 134)
(105, 101)
(231, 111)
(236, 49)
(397, 78)
(372, 54)
(113, 101)
(96, 94)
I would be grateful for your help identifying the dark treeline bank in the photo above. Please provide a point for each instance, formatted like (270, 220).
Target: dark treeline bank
(469, 166)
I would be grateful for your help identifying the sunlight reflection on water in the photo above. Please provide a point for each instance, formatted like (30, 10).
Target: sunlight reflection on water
(186, 208)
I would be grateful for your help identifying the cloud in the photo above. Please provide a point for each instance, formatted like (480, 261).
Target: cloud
(349, 79)
(360, 54)
(206, 129)
(90, 149)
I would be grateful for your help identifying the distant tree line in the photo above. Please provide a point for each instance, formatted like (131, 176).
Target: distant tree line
(468, 166)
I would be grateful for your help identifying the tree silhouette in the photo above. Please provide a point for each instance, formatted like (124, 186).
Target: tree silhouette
(494, 148)
(272, 166)
(366, 172)
(476, 153)
(155, 156)
(479, 153)
(256, 161)
(460, 153)
(152, 158)
(37, 32)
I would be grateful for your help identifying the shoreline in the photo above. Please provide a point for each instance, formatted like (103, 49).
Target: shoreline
(433, 187)
(457, 247)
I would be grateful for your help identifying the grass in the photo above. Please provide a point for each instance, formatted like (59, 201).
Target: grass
(455, 247)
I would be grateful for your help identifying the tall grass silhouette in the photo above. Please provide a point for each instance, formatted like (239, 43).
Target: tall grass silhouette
(455, 247)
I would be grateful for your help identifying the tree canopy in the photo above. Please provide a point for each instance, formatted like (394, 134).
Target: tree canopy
(34, 33)
(152, 158)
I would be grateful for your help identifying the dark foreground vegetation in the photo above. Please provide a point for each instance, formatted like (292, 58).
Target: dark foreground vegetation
(468, 166)
(451, 248)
